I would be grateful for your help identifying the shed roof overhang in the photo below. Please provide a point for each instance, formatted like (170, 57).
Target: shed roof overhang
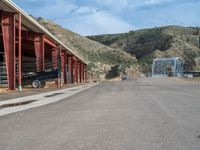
(167, 59)
(29, 23)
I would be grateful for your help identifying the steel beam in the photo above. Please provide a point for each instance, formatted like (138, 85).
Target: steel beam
(48, 41)
(27, 35)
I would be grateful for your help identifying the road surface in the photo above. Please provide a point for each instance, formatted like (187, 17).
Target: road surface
(139, 114)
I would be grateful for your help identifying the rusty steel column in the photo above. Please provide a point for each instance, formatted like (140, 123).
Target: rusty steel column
(81, 66)
(19, 52)
(63, 63)
(83, 72)
(39, 51)
(80, 72)
(86, 73)
(78, 66)
(55, 54)
(8, 31)
(60, 64)
(70, 67)
(76, 70)
(67, 68)
(55, 58)
(72, 70)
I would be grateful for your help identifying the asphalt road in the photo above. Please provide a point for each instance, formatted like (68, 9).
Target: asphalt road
(140, 114)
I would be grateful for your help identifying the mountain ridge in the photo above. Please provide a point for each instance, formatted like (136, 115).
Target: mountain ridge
(166, 41)
(102, 59)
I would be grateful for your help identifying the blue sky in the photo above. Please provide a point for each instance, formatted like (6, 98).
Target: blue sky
(92, 17)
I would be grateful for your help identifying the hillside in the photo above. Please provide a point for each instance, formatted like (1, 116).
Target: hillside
(147, 44)
(102, 59)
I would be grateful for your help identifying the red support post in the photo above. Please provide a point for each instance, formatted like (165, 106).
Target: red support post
(66, 68)
(8, 30)
(39, 51)
(70, 67)
(60, 64)
(54, 54)
(75, 70)
(19, 52)
(63, 62)
(55, 58)
(83, 78)
(80, 72)
(86, 73)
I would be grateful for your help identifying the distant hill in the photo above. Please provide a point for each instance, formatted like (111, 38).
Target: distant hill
(101, 58)
(147, 44)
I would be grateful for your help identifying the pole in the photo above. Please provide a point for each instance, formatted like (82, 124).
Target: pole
(19, 54)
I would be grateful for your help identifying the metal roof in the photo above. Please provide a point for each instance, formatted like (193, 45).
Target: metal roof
(167, 59)
(31, 23)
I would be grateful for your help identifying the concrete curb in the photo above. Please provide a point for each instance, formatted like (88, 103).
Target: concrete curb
(41, 99)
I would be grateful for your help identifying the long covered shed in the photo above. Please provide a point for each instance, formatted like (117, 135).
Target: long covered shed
(26, 47)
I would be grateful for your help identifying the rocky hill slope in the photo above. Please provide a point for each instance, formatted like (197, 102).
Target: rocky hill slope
(102, 59)
(148, 44)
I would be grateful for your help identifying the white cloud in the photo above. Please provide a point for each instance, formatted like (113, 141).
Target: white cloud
(99, 22)
(54, 10)
(152, 2)
(89, 17)
(115, 5)
(121, 3)
(84, 10)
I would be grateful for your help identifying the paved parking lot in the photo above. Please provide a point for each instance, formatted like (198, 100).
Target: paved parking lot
(139, 114)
